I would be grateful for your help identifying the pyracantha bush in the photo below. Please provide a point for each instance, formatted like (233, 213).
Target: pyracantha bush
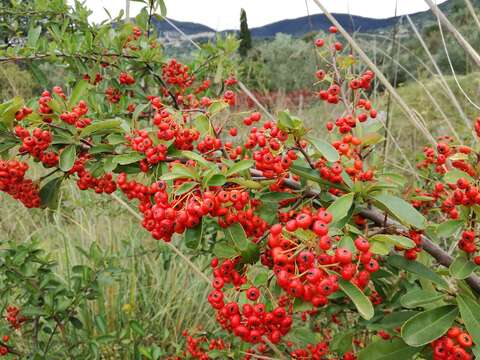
(317, 250)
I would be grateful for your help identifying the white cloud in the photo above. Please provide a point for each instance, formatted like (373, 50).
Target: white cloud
(224, 14)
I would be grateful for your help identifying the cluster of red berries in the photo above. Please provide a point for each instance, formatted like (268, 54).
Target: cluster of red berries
(169, 129)
(416, 237)
(14, 317)
(103, 184)
(199, 347)
(113, 95)
(126, 79)
(144, 144)
(176, 73)
(36, 145)
(75, 118)
(439, 158)
(22, 113)
(454, 345)
(229, 97)
(249, 322)
(253, 118)
(98, 78)
(205, 85)
(209, 144)
(3, 349)
(13, 182)
(467, 244)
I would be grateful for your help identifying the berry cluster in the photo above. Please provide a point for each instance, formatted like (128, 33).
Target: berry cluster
(74, 117)
(454, 345)
(12, 182)
(169, 129)
(36, 145)
(249, 322)
(126, 79)
(176, 73)
(14, 317)
(143, 144)
(103, 184)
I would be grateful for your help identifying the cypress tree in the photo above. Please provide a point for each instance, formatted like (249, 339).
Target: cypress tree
(245, 36)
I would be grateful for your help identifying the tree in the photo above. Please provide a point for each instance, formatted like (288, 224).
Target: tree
(316, 251)
(245, 35)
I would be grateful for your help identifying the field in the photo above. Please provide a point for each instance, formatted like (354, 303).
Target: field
(330, 181)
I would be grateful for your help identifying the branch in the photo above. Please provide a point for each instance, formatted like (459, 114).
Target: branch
(442, 257)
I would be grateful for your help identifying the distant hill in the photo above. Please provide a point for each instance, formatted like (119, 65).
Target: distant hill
(303, 25)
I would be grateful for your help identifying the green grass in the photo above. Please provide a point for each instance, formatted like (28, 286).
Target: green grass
(156, 289)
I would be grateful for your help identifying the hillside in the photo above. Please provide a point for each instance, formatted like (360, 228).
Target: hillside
(303, 25)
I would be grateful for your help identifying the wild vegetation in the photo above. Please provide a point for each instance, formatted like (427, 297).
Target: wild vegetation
(153, 209)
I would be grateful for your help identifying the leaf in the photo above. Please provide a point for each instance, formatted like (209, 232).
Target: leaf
(341, 206)
(393, 320)
(67, 158)
(240, 166)
(185, 187)
(397, 240)
(138, 110)
(448, 228)
(198, 158)
(129, 158)
(461, 268)
(428, 325)
(342, 342)
(224, 251)
(394, 349)
(402, 210)
(38, 74)
(417, 298)
(453, 175)
(202, 124)
(137, 327)
(362, 303)
(105, 126)
(33, 36)
(49, 193)
(277, 196)
(246, 183)
(8, 110)
(236, 235)
(325, 149)
(163, 8)
(304, 335)
(470, 312)
(193, 236)
(416, 268)
(78, 92)
(216, 107)
(216, 180)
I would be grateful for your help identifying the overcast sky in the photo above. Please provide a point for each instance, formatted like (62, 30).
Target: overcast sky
(224, 14)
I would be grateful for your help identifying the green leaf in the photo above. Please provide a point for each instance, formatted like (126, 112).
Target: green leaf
(185, 187)
(416, 268)
(33, 36)
(193, 236)
(448, 228)
(129, 158)
(202, 124)
(240, 166)
(461, 268)
(418, 298)
(429, 325)
(453, 175)
(341, 206)
(105, 126)
(397, 240)
(393, 320)
(325, 149)
(247, 183)
(198, 158)
(402, 210)
(78, 92)
(224, 250)
(236, 235)
(8, 110)
(137, 327)
(470, 313)
(216, 180)
(277, 196)
(362, 303)
(394, 349)
(138, 110)
(304, 335)
(67, 158)
(342, 342)
(50, 192)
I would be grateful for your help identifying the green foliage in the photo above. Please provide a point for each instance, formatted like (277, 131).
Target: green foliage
(245, 36)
